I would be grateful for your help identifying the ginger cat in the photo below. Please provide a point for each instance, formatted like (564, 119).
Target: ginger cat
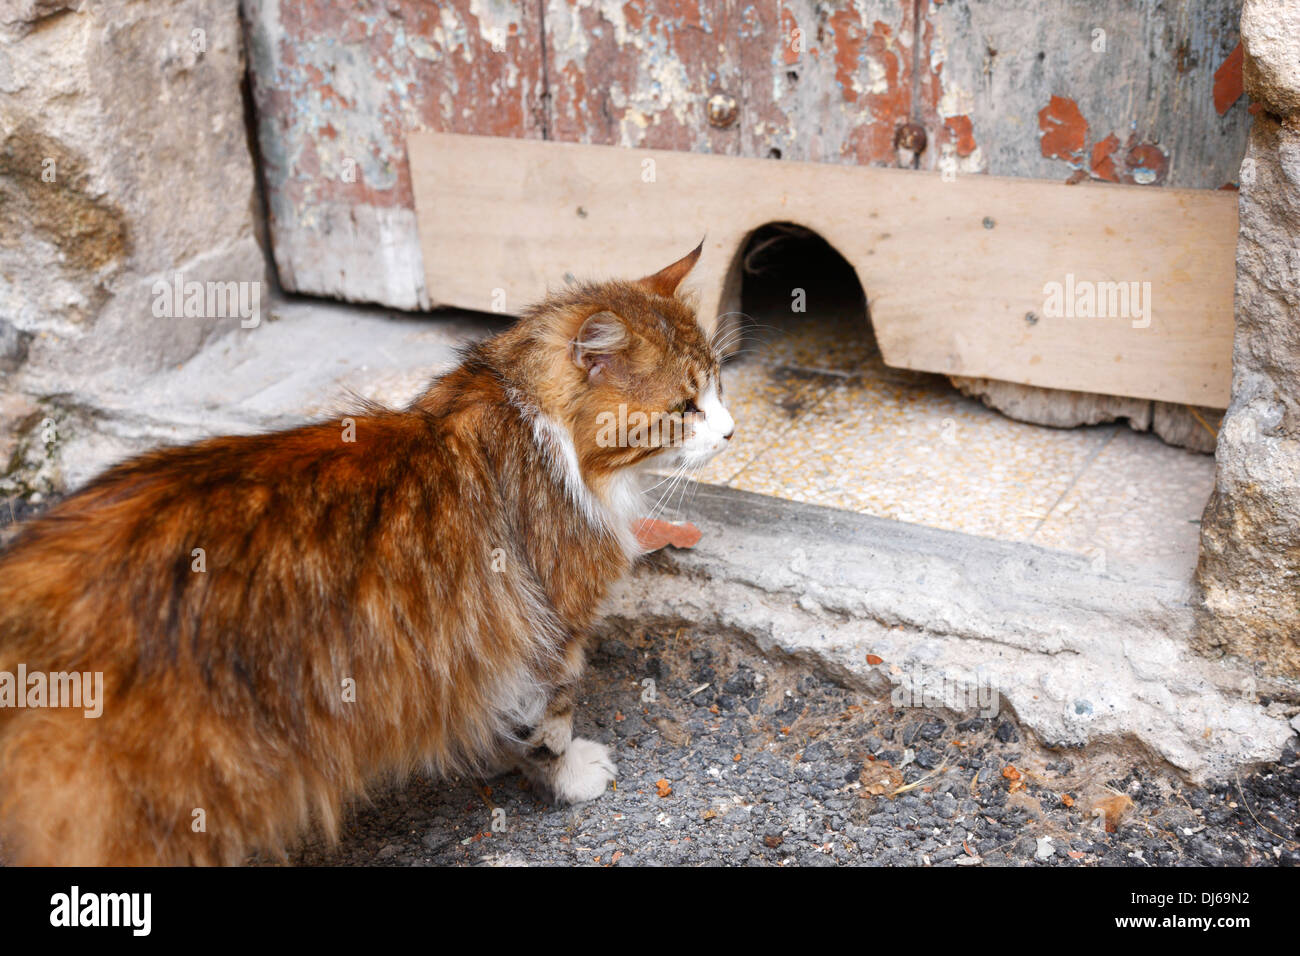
(282, 619)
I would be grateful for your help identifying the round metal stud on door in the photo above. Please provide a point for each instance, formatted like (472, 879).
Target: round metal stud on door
(722, 110)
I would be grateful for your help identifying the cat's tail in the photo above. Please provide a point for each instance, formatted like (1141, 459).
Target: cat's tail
(155, 779)
(64, 799)
(84, 791)
(52, 812)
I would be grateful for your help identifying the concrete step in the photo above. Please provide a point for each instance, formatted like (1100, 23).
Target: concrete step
(1082, 656)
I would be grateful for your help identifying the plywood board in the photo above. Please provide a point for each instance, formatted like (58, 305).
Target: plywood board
(958, 271)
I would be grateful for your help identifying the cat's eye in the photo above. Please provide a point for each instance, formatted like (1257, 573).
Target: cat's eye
(685, 407)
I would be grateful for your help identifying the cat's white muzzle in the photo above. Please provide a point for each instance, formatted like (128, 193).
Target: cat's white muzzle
(707, 432)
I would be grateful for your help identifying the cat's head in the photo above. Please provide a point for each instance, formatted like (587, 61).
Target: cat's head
(643, 383)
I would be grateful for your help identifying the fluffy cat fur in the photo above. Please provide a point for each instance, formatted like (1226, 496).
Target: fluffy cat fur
(447, 564)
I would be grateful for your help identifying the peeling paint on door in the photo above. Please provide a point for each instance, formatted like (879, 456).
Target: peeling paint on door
(338, 86)
(1132, 91)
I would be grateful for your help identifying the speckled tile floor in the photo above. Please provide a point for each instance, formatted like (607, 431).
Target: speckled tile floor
(821, 419)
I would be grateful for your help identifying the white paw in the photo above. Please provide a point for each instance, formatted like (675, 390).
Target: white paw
(584, 771)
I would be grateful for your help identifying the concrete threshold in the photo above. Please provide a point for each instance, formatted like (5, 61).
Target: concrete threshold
(1080, 654)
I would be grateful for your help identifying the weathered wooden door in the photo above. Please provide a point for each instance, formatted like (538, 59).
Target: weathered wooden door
(1137, 91)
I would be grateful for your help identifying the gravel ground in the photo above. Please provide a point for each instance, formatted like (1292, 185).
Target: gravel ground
(771, 765)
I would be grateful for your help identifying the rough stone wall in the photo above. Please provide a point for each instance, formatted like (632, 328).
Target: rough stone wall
(124, 160)
(1250, 537)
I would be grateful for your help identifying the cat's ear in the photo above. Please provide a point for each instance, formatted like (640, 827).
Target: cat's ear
(597, 344)
(666, 280)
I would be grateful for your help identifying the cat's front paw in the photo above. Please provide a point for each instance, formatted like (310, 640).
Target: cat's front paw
(584, 771)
